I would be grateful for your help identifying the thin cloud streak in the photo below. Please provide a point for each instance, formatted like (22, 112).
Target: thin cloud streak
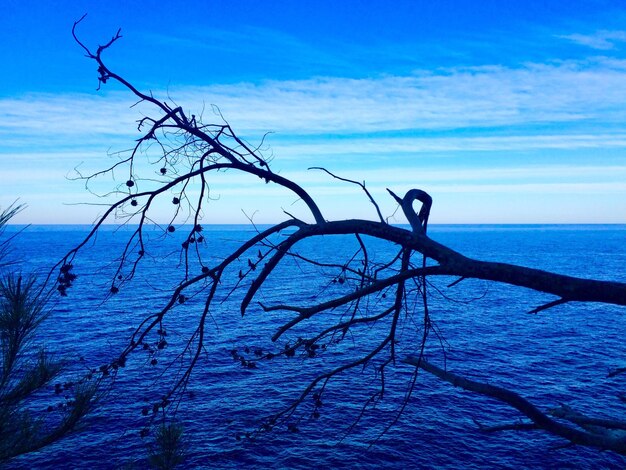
(486, 109)
(474, 97)
(458, 98)
(602, 40)
(67, 114)
(417, 175)
(457, 188)
(412, 145)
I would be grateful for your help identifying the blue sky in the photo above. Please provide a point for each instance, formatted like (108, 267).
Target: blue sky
(504, 111)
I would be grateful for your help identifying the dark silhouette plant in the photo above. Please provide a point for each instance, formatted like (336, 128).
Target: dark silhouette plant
(356, 292)
(168, 449)
(26, 369)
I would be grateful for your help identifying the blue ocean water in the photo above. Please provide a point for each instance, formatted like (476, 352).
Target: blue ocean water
(558, 356)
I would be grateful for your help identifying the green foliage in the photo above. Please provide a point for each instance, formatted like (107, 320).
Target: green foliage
(26, 369)
(5, 216)
(21, 312)
(168, 449)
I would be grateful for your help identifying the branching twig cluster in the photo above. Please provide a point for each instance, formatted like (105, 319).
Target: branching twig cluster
(385, 294)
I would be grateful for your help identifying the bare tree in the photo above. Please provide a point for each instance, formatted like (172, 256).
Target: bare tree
(358, 292)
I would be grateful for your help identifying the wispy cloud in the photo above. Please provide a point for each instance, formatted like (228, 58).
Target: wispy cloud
(601, 40)
(276, 51)
(468, 98)
(416, 175)
(575, 106)
(449, 99)
(71, 122)
(362, 146)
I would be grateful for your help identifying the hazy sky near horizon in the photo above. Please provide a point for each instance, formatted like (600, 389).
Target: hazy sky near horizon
(504, 111)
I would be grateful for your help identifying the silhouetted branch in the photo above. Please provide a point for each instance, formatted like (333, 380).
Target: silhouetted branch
(596, 433)
(362, 185)
(354, 290)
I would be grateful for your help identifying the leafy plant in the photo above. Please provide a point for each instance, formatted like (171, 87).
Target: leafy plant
(168, 449)
(26, 369)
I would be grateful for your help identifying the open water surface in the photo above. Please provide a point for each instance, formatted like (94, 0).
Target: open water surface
(561, 355)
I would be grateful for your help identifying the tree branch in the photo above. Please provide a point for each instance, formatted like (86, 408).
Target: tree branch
(542, 420)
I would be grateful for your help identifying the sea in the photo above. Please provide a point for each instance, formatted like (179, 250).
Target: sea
(481, 330)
